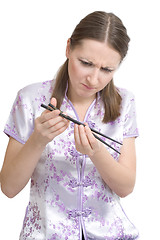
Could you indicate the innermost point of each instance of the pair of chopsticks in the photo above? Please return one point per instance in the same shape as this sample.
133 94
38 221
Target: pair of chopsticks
50 107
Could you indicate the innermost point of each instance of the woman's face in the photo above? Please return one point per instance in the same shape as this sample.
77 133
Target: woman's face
91 67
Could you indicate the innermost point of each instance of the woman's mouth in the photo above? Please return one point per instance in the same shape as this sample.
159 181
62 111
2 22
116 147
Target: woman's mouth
87 87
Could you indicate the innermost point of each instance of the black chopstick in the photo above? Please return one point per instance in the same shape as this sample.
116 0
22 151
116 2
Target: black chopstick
80 123
50 107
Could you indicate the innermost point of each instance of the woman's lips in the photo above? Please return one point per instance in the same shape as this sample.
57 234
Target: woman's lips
87 87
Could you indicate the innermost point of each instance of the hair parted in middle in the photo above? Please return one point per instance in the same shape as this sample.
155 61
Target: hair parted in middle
102 27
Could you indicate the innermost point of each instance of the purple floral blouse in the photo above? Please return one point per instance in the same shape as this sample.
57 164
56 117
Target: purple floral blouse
67 193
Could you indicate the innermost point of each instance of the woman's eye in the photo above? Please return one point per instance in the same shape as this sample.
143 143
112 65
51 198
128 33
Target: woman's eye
90 64
86 63
107 70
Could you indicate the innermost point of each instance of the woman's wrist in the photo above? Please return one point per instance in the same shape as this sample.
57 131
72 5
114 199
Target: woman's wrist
37 142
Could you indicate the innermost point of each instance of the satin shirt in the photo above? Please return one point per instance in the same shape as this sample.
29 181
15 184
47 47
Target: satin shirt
67 193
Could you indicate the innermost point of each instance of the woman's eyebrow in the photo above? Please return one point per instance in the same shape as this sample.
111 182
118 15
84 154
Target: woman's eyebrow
94 64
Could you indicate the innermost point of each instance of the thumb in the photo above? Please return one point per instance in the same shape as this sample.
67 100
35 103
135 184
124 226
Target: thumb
54 101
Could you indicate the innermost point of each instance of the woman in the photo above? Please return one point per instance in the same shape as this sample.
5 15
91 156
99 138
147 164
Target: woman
76 181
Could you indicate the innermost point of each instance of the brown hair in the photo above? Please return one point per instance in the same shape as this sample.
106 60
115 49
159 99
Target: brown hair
103 27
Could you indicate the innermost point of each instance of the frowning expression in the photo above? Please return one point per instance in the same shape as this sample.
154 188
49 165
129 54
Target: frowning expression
91 67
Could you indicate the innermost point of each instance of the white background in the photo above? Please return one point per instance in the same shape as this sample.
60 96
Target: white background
33 35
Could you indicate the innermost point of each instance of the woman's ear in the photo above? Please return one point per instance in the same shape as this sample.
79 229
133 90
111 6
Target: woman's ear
68 48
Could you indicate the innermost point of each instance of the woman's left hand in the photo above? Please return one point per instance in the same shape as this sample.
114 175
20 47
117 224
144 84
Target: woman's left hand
85 142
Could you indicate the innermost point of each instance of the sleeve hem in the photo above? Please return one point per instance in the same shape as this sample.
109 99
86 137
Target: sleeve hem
131 135
10 134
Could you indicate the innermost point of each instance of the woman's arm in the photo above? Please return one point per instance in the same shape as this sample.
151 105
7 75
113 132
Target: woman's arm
19 164
119 176
21 160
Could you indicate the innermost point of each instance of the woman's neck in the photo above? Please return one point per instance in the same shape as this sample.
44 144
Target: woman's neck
80 101
81 106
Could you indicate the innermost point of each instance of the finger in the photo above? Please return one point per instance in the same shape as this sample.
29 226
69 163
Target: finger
55 122
54 101
48 115
51 133
92 140
76 135
83 137
57 132
60 126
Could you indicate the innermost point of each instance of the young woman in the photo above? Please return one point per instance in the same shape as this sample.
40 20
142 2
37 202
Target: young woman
76 180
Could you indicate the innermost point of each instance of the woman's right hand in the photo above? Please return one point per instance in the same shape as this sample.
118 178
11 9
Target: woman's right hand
49 125
21 159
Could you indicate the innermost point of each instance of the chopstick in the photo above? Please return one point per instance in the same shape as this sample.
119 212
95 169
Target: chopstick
50 107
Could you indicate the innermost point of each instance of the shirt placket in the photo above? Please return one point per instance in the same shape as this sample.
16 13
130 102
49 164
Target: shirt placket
80 183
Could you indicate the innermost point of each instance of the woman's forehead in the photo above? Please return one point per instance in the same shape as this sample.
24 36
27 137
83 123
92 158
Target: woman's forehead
98 52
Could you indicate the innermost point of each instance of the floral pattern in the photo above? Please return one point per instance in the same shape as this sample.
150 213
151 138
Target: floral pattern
67 192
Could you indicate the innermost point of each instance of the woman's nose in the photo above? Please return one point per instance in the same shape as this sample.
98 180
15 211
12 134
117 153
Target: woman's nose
93 76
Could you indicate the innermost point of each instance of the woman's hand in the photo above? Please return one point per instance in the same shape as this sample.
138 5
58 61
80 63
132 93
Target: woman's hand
21 159
85 142
49 125
118 175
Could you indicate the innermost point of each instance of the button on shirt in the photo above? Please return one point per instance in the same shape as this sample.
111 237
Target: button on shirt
67 192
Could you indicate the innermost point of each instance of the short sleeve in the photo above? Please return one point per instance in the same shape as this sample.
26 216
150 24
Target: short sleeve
20 123
26 108
130 128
